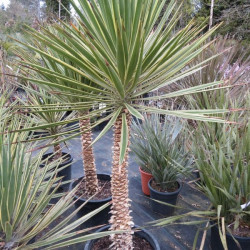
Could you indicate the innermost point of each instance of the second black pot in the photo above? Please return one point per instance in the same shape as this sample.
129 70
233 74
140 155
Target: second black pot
170 198
100 218
65 173
101 126
216 243
142 234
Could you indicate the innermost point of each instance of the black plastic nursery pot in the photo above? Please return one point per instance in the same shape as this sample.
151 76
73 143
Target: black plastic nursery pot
216 243
144 234
170 198
36 134
101 126
103 216
65 173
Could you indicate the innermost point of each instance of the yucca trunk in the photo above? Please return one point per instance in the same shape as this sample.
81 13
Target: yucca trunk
88 157
120 210
57 151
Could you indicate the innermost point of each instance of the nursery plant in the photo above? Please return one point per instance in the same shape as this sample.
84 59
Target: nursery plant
91 178
224 171
26 189
160 150
141 147
35 98
116 45
159 147
34 102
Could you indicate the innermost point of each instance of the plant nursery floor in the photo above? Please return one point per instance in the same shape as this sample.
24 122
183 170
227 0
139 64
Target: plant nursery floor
169 237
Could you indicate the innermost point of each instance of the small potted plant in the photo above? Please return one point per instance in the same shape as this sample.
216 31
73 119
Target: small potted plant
141 148
47 135
159 148
224 170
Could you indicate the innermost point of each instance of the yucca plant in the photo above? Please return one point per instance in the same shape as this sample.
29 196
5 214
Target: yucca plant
25 209
230 65
73 101
35 101
25 192
224 169
160 150
225 180
116 45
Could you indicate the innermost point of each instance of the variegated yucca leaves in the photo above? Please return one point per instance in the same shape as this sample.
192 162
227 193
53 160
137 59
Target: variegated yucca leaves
25 194
231 65
114 54
116 46
36 99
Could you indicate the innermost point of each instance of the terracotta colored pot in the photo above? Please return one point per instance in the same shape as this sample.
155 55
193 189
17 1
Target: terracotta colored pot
145 177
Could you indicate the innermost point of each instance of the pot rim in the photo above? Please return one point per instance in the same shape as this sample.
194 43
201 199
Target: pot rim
157 246
84 200
70 160
227 234
166 193
145 172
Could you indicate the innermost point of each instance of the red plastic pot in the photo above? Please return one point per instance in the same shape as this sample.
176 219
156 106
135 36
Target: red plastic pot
145 177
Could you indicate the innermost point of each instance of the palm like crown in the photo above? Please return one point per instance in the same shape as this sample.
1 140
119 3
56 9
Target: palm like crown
116 46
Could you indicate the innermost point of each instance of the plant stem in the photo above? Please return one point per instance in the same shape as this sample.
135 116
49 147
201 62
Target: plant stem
2 68
120 210
57 151
88 157
211 15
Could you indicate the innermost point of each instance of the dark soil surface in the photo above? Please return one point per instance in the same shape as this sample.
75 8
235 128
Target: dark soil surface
139 244
104 187
242 231
158 188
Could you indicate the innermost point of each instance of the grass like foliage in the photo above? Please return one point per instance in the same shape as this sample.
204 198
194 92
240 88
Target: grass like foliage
159 149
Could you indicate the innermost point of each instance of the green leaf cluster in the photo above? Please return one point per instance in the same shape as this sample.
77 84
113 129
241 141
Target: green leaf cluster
234 14
224 167
26 191
35 113
115 46
52 7
159 147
